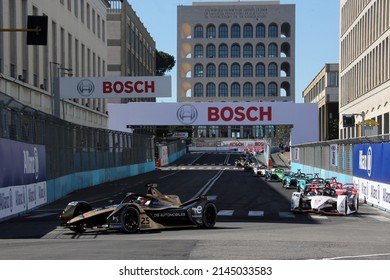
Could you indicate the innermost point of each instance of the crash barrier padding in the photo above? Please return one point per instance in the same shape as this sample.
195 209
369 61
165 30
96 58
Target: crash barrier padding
59 187
175 156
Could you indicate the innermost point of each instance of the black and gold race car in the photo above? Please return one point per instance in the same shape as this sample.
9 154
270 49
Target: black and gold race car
136 212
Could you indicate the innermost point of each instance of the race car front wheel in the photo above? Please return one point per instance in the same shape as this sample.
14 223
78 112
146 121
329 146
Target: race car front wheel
209 215
130 219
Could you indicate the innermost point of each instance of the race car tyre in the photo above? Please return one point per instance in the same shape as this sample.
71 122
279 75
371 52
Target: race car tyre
78 228
209 215
130 219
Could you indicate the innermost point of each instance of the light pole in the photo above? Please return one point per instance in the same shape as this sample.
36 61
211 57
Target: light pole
55 69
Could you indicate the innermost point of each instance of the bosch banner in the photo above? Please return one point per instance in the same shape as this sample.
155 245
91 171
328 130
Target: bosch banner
115 87
303 116
22 177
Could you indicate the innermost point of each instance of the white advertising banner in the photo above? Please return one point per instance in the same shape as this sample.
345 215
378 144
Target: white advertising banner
303 116
17 199
374 193
115 87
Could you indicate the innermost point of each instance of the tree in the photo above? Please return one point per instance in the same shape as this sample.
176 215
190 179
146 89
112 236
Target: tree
164 62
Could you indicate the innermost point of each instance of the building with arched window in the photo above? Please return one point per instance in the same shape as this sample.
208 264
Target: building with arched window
247 50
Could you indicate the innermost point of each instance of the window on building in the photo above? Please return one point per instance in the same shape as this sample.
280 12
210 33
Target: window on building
198 31
236 50
198 70
248 70
236 31
272 50
88 16
333 79
210 31
273 30
82 10
198 51
223 70
260 70
260 50
386 123
223 31
235 91
210 90
235 71
248 50
272 89
248 89
260 31
260 89
223 51
248 30
211 51
223 90
210 70
198 90
272 70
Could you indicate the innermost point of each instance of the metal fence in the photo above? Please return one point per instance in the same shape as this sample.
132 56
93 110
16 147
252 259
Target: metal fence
319 154
72 148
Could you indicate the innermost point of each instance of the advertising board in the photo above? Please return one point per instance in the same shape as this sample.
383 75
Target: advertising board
115 87
303 116
22 177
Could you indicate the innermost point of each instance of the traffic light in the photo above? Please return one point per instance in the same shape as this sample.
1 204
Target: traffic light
348 120
39 24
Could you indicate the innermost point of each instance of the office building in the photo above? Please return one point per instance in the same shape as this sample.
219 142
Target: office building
365 66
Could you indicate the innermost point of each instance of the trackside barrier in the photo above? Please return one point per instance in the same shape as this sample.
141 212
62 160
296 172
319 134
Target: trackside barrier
361 161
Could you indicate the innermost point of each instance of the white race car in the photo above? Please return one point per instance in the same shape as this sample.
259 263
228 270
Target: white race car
326 200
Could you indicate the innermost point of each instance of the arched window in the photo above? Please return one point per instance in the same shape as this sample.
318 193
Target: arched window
285 50
223 90
210 51
260 30
210 70
223 70
198 90
198 31
260 70
210 90
248 50
235 71
285 69
210 31
248 70
223 51
260 89
273 30
272 70
248 89
235 90
236 31
235 50
223 31
272 50
198 51
198 70
260 50
272 89
286 30
248 30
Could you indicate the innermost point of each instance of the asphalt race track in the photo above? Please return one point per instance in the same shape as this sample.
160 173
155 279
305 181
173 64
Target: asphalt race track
254 222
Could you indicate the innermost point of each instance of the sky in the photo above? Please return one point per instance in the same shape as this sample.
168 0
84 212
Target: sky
317 34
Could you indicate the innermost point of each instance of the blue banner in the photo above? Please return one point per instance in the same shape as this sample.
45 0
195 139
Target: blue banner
372 161
21 163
